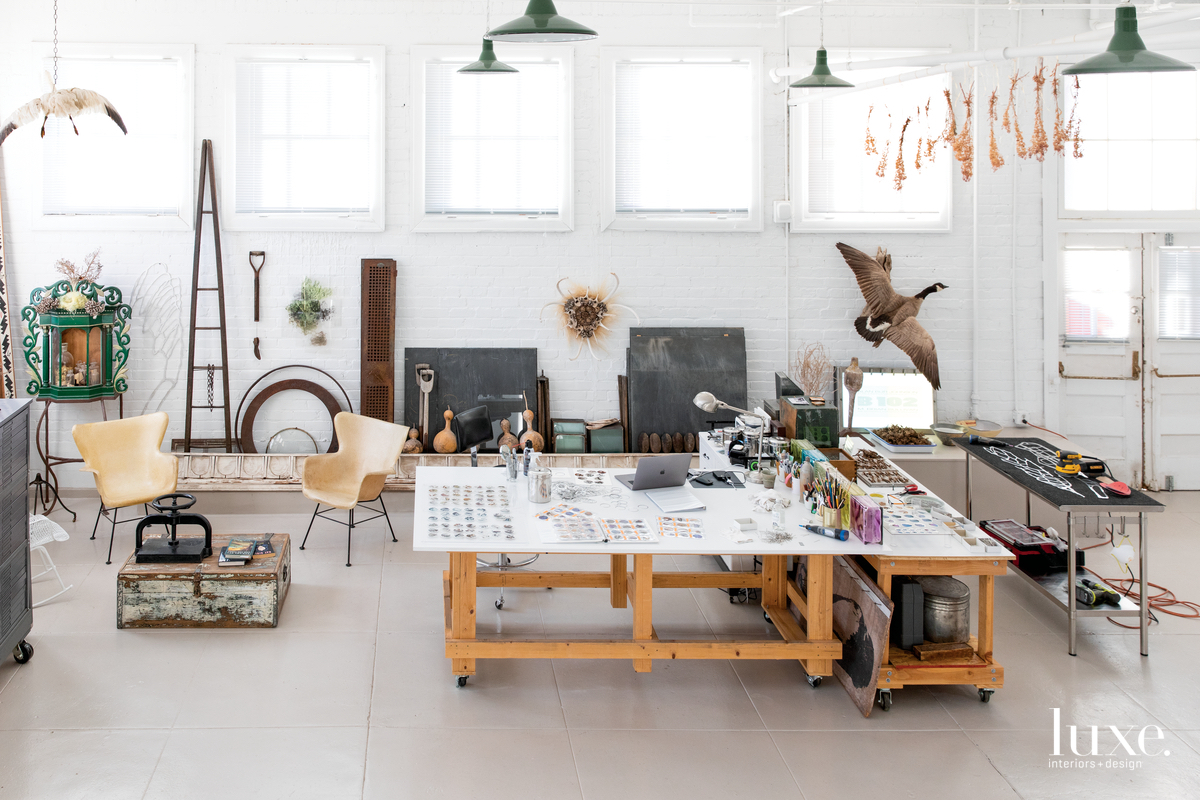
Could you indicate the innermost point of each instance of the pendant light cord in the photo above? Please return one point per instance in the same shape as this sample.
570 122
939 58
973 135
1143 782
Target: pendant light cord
55 44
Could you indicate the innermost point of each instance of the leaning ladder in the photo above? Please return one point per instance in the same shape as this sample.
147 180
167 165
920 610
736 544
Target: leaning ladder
207 169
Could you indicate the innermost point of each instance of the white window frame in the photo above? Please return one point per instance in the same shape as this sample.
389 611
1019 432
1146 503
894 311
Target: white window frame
186 55
609 57
564 220
226 157
881 222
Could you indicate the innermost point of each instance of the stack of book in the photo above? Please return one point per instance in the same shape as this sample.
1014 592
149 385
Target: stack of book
239 552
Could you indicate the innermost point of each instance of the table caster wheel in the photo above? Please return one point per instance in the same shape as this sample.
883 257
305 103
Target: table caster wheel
500 604
985 695
814 681
23 652
885 699
766 616
460 681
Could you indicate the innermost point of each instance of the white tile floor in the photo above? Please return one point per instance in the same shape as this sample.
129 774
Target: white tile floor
352 697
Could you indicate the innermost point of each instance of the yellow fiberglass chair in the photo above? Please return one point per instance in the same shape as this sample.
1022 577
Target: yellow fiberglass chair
123 456
367 453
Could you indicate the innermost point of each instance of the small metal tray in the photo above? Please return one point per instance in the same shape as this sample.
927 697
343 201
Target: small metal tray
899 448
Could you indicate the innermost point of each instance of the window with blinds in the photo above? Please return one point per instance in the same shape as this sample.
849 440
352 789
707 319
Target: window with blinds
1096 292
102 172
1178 293
494 143
304 137
836 178
684 137
1141 147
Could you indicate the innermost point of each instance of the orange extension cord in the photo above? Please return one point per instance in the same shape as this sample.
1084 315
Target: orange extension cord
1164 601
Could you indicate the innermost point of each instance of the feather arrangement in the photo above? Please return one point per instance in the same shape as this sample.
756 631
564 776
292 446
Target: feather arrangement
583 312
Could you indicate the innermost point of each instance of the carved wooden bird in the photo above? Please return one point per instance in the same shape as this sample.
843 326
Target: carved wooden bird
69 103
892 316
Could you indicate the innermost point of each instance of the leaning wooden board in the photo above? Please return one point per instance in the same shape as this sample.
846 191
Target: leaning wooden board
204 595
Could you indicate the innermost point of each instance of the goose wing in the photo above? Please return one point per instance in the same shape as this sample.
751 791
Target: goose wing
88 101
874 283
911 337
25 114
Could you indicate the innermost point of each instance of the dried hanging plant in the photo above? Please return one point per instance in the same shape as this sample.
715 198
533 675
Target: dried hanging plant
881 170
993 150
951 129
1011 123
812 369
962 144
917 158
869 144
1061 133
1073 122
1038 144
900 174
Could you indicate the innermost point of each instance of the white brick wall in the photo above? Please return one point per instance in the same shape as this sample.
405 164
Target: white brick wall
487 289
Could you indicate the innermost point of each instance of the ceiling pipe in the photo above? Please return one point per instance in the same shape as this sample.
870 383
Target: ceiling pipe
1072 45
981 57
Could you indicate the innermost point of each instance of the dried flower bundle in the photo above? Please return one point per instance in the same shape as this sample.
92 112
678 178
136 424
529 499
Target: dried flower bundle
1073 122
89 274
1061 134
993 151
869 144
962 144
900 174
1038 144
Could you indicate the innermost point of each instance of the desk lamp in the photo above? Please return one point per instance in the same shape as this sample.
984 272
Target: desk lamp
474 429
705 401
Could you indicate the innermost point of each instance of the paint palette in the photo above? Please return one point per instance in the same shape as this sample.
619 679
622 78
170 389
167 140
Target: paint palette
909 521
680 528
628 531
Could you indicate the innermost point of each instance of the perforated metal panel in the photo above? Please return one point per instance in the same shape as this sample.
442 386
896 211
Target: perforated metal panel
378 372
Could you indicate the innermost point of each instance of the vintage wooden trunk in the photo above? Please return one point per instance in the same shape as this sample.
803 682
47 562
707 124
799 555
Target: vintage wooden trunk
204 595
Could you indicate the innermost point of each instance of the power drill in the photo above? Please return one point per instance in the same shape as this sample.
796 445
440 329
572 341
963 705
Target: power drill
1093 594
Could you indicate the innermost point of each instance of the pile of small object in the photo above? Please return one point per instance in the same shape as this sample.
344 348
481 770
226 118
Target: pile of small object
900 435
874 470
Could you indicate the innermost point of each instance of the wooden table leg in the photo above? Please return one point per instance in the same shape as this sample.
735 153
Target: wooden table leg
883 580
462 606
641 585
620 583
820 609
987 601
774 581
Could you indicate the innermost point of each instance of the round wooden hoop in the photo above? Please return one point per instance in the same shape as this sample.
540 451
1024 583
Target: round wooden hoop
320 392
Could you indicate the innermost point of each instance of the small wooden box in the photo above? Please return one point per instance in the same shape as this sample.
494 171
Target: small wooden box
204 595
842 461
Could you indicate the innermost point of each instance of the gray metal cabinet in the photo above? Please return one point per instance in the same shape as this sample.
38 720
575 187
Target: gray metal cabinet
16 594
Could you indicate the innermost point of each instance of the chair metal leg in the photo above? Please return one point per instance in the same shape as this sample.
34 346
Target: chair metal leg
310 524
99 512
387 518
349 534
112 535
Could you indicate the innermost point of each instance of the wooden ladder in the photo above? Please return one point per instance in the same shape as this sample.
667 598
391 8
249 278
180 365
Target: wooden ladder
207 169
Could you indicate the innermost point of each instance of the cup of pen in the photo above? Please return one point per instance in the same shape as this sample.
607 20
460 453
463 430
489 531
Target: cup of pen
831 517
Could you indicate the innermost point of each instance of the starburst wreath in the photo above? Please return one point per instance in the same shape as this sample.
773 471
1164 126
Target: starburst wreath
582 313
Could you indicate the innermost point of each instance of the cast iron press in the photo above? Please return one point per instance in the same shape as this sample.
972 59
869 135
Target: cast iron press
174 550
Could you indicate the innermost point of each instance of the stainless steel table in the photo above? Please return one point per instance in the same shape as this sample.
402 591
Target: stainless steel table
1080 502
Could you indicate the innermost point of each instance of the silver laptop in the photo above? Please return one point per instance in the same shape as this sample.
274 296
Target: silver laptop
657 472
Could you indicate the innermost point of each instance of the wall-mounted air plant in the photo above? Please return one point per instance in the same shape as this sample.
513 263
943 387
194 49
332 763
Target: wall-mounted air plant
311 308
582 313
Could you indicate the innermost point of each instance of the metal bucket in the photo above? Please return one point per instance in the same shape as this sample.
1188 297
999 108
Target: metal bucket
947 611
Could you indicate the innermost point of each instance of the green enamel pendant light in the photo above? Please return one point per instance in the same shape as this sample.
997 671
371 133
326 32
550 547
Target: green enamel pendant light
821 77
541 23
1127 52
487 63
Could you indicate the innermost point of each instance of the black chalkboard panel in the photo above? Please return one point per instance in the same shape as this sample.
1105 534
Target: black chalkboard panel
466 377
670 366
1030 462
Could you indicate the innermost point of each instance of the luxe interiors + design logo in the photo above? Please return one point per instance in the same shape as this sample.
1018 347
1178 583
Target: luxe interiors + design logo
1105 746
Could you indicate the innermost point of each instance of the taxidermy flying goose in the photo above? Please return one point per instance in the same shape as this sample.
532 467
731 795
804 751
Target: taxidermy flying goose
892 316
67 103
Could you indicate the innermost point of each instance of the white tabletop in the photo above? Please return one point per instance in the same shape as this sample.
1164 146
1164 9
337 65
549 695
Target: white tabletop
723 506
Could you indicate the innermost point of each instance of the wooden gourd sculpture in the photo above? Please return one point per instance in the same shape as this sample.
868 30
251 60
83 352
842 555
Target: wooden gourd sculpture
530 435
852 379
507 437
413 445
446 441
